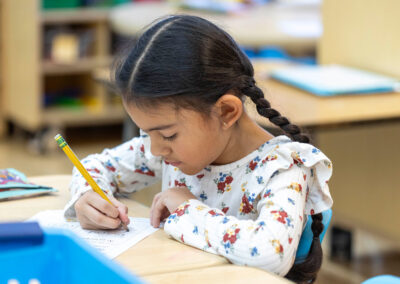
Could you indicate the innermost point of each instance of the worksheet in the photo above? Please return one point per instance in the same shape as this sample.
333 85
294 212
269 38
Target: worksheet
110 242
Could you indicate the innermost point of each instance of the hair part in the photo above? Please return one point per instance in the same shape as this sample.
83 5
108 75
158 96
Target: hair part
190 63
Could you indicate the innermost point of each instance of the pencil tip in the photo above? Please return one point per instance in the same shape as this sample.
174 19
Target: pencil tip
125 226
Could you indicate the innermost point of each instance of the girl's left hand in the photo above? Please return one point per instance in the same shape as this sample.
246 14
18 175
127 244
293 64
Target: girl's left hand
166 202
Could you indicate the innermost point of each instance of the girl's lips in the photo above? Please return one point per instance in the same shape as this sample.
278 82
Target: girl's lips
175 164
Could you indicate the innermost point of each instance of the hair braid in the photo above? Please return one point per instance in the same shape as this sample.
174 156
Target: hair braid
306 271
264 108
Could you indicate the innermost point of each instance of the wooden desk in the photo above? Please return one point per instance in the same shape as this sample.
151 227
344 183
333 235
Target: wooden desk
218 274
158 258
270 24
307 109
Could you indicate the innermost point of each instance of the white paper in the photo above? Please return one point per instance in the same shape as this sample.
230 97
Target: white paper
110 242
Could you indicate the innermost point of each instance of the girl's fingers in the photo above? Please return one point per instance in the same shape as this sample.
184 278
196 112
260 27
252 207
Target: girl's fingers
85 218
122 209
123 214
96 201
100 220
86 223
94 212
155 200
157 212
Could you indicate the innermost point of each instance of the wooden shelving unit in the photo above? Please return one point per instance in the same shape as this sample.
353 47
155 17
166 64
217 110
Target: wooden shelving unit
84 65
2 121
83 15
28 76
74 117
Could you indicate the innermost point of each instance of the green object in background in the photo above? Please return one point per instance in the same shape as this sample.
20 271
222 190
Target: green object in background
59 4
117 2
103 3
70 4
69 102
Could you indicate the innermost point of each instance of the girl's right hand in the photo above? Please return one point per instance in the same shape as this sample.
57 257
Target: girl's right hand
93 212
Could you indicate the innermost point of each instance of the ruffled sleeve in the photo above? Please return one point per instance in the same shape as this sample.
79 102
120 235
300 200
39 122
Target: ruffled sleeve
285 154
305 155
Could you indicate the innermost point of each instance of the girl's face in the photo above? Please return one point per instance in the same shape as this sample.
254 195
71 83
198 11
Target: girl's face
183 138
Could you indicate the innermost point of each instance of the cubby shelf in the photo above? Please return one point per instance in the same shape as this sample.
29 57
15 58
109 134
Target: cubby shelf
91 115
81 66
74 16
28 76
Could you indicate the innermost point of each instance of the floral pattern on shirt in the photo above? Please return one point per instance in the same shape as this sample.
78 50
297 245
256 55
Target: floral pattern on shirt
248 200
182 209
229 238
283 217
224 182
143 169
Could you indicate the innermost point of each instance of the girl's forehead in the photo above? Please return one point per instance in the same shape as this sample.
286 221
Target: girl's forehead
164 114
148 117
158 110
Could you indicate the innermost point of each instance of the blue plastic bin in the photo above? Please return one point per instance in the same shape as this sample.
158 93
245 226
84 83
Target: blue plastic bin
58 256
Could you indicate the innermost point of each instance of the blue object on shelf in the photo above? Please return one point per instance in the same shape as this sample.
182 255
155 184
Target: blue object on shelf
308 60
249 52
307 236
61 258
275 52
383 279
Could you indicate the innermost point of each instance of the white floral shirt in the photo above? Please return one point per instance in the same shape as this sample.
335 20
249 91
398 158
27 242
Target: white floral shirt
251 211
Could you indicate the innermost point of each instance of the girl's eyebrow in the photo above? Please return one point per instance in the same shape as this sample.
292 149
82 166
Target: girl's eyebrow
161 127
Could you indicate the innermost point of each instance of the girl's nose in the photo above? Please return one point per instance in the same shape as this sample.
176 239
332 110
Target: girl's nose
159 149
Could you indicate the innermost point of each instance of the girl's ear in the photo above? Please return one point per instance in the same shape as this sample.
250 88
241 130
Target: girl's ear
230 109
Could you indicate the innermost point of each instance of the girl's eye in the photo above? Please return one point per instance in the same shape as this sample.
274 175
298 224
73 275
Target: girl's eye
170 138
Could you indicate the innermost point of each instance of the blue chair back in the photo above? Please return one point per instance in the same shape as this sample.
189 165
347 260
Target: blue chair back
307 236
383 279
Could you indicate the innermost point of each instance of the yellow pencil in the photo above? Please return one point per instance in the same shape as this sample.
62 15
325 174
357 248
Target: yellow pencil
74 159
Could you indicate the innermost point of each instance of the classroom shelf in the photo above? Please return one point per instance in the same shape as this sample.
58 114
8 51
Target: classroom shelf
81 66
87 115
3 127
32 77
74 16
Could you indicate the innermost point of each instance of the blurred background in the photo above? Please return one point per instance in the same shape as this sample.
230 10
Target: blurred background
55 57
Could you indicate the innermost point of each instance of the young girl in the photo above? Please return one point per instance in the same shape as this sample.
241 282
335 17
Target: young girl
228 186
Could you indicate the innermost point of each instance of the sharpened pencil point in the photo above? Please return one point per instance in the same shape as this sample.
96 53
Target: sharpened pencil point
125 227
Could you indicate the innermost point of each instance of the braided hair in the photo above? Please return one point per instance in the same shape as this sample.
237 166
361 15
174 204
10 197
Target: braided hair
190 63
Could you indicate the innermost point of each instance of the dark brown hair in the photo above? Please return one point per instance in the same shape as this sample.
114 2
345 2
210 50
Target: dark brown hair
190 62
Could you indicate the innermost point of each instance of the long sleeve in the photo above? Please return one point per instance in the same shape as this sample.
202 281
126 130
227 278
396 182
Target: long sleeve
126 168
269 242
